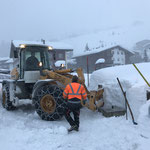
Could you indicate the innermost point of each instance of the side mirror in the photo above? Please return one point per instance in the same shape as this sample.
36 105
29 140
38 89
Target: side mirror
15 54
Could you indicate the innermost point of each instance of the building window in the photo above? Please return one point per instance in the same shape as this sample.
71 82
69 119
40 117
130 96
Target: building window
118 59
117 52
122 53
60 56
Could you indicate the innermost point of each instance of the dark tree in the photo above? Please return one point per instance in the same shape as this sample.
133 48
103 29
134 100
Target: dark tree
86 47
145 58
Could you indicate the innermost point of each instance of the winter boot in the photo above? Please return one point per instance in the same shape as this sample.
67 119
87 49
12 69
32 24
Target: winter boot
76 128
73 128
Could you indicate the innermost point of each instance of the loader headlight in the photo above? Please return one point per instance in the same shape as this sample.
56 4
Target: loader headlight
40 64
62 65
22 46
50 48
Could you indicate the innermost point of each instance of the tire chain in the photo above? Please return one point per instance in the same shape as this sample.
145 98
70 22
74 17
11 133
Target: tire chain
52 90
8 104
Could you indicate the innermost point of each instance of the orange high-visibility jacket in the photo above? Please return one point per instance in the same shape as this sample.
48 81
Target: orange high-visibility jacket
75 90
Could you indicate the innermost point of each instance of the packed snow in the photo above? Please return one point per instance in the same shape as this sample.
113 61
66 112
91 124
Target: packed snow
23 129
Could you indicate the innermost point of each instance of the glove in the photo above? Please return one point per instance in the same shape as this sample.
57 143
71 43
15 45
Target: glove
84 101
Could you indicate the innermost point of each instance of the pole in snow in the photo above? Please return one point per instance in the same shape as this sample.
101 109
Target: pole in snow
127 102
87 70
141 75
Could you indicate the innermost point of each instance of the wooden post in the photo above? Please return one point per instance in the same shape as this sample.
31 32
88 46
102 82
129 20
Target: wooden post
66 60
126 107
127 102
87 70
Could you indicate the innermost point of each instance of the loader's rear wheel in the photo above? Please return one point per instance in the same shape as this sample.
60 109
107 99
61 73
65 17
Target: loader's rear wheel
49 102
3 99
6 103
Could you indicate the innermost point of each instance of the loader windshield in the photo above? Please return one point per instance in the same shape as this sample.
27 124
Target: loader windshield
34 58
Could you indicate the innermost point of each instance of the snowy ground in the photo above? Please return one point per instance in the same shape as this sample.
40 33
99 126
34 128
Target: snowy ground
23 129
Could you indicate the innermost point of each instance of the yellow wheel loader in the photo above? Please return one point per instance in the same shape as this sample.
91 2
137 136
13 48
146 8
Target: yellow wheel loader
34 78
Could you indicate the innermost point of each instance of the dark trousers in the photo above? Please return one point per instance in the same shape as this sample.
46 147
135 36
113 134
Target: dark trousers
75 109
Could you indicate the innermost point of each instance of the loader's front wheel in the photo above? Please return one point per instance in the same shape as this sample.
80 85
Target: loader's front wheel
6 103
49 102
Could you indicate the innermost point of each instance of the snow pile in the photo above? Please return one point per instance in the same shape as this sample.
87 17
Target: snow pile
59 63
4 76
131 82
144 122
10 61
144 117
101 60
125 73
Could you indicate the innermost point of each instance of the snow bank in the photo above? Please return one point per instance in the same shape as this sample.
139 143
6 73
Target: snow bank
131 81
0 91
125 73
144 125
144 117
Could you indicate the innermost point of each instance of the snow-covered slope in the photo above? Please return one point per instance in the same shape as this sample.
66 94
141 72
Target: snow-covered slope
23 129
105 38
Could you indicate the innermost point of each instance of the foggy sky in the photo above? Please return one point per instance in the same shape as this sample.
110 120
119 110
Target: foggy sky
57 19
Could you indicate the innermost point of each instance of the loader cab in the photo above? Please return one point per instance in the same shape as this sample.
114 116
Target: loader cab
33 59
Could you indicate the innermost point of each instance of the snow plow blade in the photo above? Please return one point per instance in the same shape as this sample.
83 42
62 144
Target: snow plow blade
95 99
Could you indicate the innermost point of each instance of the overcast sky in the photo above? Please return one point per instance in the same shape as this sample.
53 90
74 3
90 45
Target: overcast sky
51 19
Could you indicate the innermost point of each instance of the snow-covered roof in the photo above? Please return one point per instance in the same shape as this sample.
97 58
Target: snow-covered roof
101 60
55 45
99 49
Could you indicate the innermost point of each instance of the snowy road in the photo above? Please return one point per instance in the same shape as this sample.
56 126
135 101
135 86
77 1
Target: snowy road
23 129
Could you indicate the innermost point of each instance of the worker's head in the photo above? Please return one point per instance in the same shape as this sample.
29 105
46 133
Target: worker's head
74 78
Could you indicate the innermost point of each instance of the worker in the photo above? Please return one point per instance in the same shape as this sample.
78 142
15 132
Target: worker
74 93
